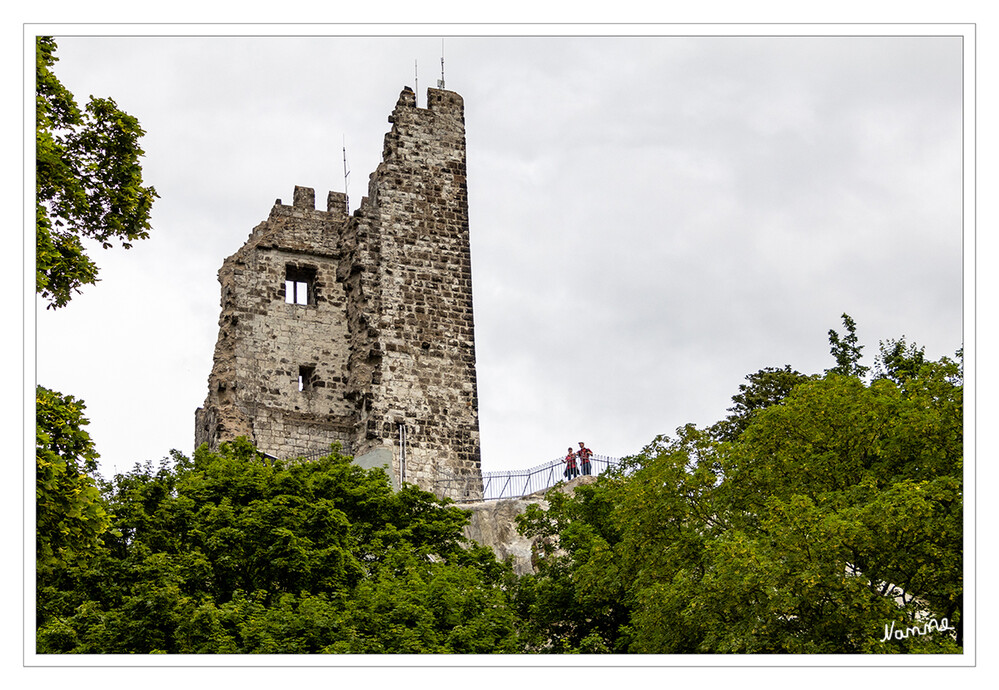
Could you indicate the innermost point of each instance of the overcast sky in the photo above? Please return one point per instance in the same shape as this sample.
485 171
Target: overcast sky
651 218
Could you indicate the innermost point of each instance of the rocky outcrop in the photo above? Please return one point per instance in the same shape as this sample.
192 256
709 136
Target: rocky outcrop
494 524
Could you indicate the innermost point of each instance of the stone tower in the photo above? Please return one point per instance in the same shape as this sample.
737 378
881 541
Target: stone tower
359 328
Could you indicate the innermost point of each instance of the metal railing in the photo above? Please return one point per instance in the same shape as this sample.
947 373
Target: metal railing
514 483
491 486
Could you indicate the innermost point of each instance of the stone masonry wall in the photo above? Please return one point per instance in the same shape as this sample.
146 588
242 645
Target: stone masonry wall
264 343
413 357
386 339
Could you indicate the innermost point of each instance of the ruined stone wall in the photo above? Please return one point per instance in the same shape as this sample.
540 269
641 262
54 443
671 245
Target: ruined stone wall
409 273
265 343
387 338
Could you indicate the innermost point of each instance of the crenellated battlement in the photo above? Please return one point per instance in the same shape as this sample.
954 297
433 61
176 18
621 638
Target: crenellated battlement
439 102
304 201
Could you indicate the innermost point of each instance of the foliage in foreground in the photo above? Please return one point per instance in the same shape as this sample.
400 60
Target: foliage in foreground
823 515
229 553
820 522
88 182
69 513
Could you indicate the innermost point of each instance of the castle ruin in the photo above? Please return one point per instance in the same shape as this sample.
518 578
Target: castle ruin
358 328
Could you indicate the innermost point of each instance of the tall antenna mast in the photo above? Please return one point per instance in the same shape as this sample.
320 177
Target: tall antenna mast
346 174
416 81
440 82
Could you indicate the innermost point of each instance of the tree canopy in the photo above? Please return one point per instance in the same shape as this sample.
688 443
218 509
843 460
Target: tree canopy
847 350
69 511
88 186
832 518
229 552
88 182
823 515
766 387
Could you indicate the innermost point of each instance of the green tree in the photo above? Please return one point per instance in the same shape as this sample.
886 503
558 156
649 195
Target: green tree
575 601
830 516
88 186
847 350
229 552
766 387
898 361
88 182
69 511
839 513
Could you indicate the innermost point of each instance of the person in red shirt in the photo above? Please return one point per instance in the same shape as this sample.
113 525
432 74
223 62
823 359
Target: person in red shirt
584 454
570 465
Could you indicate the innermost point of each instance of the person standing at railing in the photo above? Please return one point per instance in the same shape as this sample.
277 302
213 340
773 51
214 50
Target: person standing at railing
584 454
570 465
